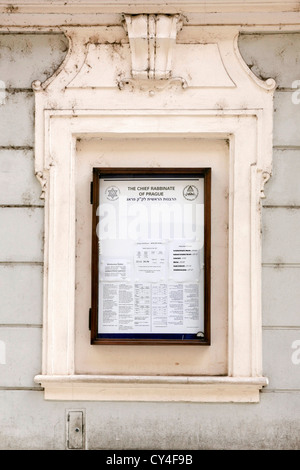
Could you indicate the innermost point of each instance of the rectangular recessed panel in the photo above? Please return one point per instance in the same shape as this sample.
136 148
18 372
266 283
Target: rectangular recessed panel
75 430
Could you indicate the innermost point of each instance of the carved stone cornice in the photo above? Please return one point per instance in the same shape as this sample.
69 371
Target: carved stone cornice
249 14
139 6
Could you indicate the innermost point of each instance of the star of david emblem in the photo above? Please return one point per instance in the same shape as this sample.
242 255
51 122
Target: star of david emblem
112 193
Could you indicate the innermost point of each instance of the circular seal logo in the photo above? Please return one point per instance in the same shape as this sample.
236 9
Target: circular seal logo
190 192
112 193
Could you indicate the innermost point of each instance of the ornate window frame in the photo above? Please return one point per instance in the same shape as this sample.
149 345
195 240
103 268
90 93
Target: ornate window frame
235 106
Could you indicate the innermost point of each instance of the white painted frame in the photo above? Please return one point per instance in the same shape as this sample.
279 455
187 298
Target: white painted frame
62 118
250 14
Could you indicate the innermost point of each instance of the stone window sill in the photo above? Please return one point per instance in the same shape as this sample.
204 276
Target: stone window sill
152 388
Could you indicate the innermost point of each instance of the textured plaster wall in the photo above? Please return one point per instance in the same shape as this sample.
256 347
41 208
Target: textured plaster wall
27 421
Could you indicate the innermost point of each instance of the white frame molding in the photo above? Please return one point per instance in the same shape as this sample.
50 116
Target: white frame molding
250 14
66 112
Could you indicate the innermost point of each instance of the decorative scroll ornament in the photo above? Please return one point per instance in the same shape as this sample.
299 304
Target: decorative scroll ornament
151 39
43 182
264 179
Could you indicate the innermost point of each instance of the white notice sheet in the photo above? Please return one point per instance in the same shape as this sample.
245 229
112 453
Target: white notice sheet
150 260
114 269
184 261
151 235
150 308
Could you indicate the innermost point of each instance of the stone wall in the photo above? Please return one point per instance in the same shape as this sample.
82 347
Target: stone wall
27 421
